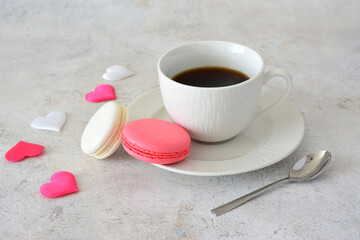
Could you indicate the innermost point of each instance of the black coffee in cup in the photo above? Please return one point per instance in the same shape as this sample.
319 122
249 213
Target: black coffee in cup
210 77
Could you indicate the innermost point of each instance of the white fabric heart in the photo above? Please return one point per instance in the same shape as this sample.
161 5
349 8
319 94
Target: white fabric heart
53 121
117 72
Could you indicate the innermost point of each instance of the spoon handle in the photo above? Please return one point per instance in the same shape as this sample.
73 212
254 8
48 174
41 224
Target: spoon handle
241 200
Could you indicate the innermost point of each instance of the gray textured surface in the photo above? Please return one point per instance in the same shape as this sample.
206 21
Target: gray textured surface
54 52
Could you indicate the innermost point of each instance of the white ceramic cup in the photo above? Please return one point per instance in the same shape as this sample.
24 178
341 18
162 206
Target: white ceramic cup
213 114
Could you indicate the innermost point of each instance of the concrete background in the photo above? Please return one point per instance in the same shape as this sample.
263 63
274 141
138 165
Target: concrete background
54 52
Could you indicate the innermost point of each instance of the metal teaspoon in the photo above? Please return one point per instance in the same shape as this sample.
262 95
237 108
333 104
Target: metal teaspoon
306 168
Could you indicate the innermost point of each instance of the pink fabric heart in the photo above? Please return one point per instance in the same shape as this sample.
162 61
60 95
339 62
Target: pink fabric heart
103 92
61 183
22 150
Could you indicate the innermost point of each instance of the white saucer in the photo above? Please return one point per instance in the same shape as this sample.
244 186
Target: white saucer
264 142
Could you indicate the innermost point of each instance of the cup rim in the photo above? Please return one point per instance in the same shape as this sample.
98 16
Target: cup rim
251 79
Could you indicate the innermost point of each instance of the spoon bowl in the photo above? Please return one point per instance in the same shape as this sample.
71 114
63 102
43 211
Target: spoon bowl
310 166
304 169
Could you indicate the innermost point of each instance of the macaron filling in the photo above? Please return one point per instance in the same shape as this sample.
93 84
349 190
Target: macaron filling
133 147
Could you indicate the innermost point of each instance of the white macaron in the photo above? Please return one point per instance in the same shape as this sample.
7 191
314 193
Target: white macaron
103 133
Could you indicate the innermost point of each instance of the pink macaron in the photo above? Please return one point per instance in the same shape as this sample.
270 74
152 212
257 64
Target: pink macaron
156 141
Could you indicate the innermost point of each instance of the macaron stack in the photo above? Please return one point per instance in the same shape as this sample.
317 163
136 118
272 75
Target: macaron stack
150 140
156 141
103 133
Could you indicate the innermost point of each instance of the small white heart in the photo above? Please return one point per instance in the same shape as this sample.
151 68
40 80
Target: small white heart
53 121
117 72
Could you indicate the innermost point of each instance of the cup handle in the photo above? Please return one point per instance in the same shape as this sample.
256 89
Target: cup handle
276 72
